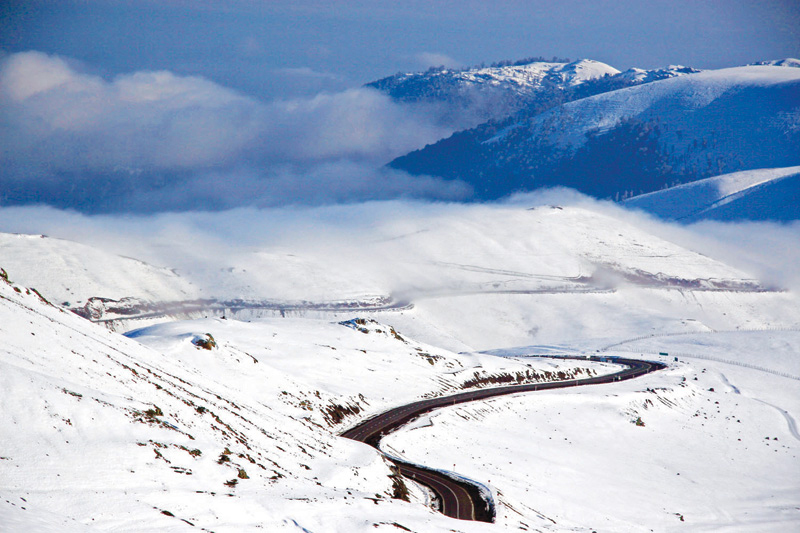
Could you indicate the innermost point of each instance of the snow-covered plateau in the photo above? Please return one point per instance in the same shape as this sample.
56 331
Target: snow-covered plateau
226 417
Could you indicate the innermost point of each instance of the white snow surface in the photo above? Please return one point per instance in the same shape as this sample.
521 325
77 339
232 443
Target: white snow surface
98 431
699 199
71 272
718 450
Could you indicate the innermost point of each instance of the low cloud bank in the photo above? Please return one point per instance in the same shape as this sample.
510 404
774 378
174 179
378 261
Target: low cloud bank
771 251
380 245
156 141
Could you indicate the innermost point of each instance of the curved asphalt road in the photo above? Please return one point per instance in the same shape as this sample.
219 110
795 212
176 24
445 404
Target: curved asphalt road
459 498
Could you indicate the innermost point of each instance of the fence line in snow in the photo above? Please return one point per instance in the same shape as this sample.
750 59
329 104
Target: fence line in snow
657 335
726 361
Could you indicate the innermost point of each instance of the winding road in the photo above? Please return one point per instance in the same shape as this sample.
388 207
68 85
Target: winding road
460 498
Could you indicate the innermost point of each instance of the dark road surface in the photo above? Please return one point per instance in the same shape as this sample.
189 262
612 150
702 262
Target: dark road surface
462 499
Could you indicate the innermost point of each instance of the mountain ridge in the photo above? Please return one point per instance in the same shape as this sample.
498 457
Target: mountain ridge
631 140
496 92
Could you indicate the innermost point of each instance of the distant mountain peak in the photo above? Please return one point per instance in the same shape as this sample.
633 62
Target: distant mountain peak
627 134
638 75
787 62
477 94
531 74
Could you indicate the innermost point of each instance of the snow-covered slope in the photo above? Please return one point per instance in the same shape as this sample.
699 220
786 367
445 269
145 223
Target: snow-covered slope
152 432
548 274
632 140
416 256
703 446
100 432
765 194
70 273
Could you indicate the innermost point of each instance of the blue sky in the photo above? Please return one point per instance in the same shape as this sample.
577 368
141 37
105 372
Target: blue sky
289 48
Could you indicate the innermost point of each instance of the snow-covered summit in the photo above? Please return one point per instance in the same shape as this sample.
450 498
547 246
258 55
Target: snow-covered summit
787 62
472 95
577 72
528 87
525 77
538 74
638 75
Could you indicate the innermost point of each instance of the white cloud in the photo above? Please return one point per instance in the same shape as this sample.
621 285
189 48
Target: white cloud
344 237
434 59
305 72
80 141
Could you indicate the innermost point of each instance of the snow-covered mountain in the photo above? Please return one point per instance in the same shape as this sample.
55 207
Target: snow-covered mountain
632 140
519 81
487 93
474 95
787 62
765 194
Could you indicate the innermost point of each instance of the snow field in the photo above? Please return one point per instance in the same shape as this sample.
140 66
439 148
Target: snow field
587 322
67 271
576 460
101 431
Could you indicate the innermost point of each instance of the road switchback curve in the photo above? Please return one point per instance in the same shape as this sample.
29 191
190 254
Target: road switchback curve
460 498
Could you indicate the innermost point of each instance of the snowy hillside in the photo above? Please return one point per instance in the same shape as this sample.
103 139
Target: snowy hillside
545 274
230 424
415 254
70 273
766 194
100 432
703 446
632 140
